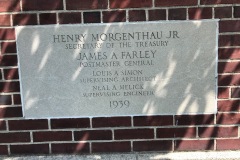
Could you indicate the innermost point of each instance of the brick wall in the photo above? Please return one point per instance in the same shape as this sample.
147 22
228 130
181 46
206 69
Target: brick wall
120 134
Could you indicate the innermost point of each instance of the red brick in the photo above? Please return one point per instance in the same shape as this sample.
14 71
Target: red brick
235 93
130 3
229 40
229 53
73 148
30 149
8 47
10 112
111 122
70 18
91 17
208 132
193 145
28 124
153 120
228 80
114 16
48 18
228 144
17 99
9 5
236 12
134 134
152 145
5 20
10 74
229 105
52 136
93 135
219 2
70 123
7 34
228 67
228 119
194 119
111 147
8 60
24 19
9 87
14 137
2 125
223 93
158 14
200 13
188 132
223 12
5 100
177 14
137 15
83 4
164 3
38 5
229 26
3 150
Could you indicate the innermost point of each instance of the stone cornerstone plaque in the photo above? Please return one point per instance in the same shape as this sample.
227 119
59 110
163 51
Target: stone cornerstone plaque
150 68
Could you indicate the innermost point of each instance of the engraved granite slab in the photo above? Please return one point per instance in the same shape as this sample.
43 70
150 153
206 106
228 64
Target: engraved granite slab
148 68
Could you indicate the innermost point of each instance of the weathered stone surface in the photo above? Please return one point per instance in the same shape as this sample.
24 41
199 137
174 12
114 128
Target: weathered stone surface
118 69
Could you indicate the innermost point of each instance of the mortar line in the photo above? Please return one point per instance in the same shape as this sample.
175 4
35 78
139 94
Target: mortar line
91 125
213 12
50 148
167 10
64 5
11 20
7 125
8 149
31 136
21 5
147 15
127 15
38 18
12 99
239 132
131 143
82 19
108 5
49 124
101 17
57 18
